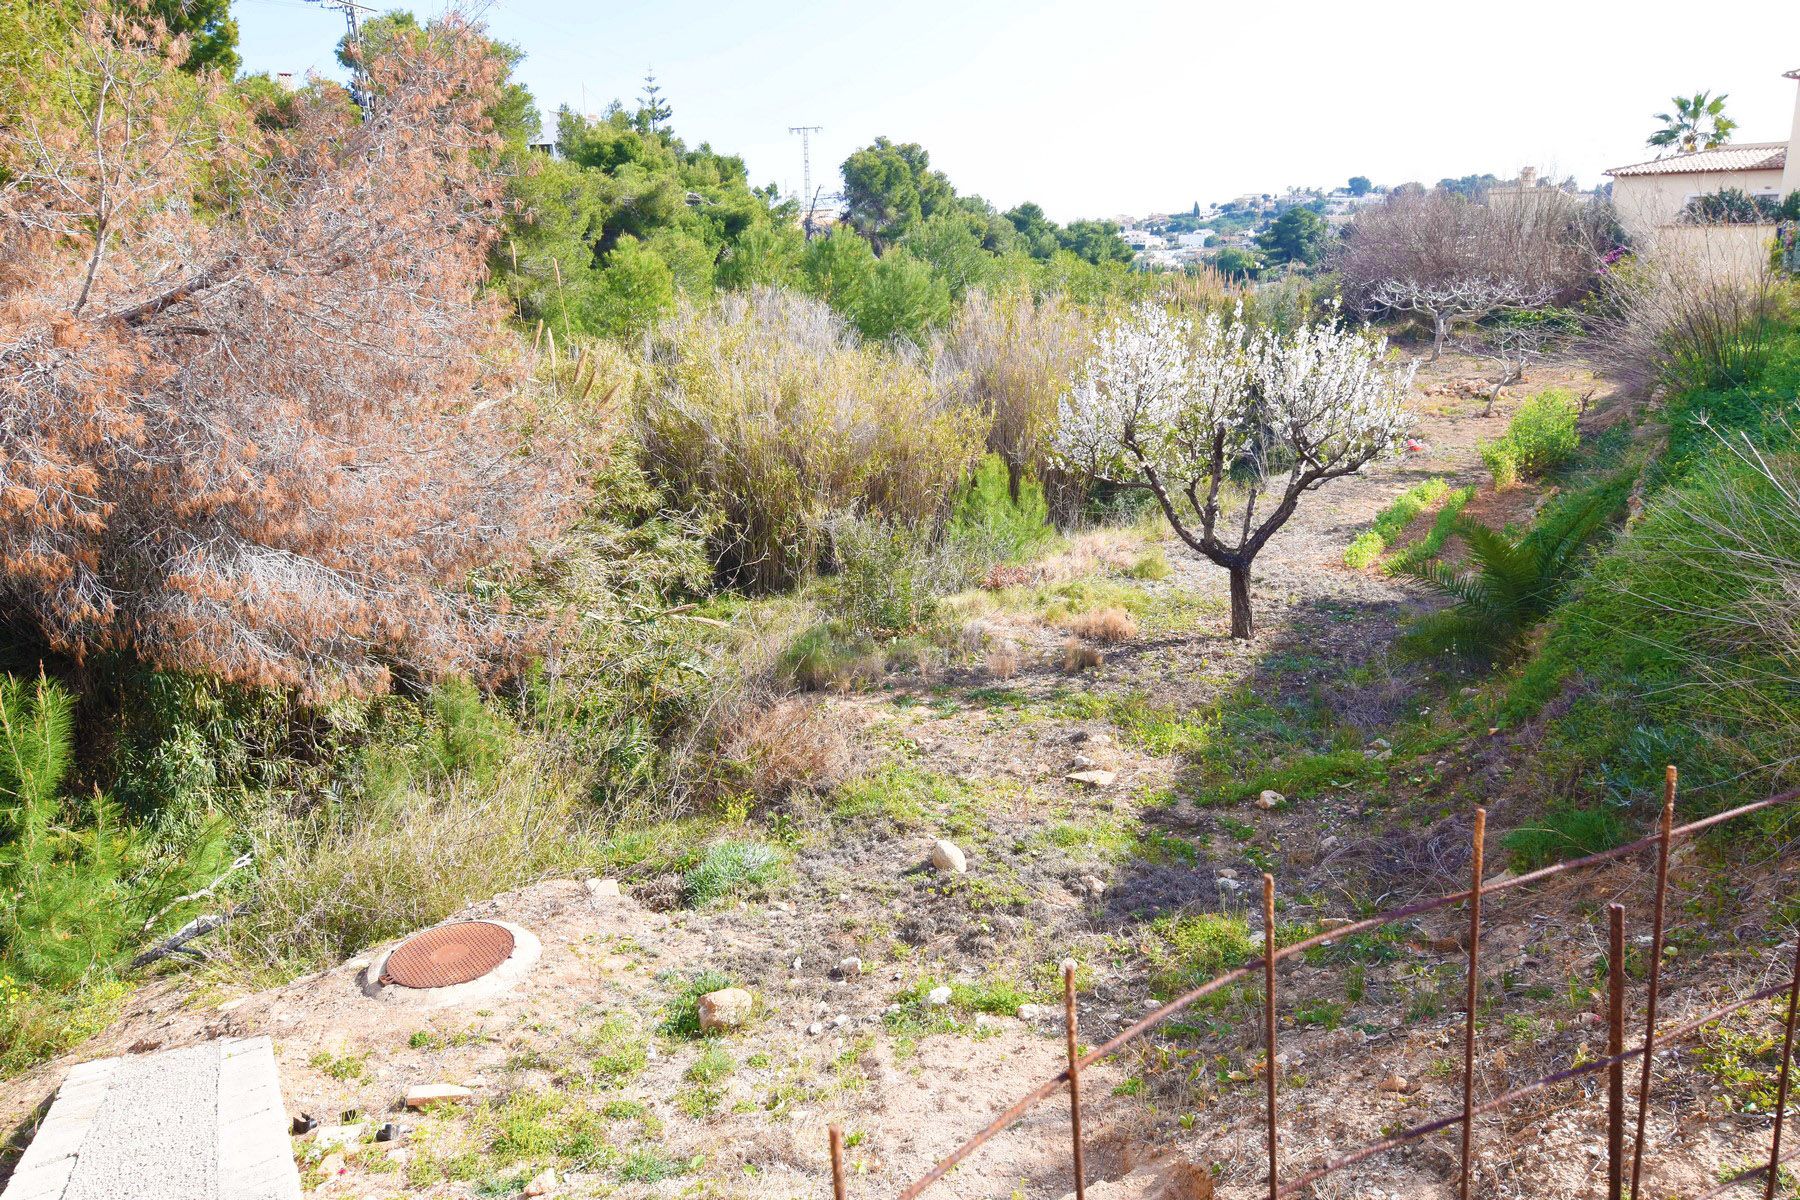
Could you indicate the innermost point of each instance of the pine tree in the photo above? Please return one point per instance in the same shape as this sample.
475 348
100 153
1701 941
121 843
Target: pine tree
653 110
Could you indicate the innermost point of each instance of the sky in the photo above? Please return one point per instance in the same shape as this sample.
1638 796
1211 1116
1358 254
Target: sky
1102 109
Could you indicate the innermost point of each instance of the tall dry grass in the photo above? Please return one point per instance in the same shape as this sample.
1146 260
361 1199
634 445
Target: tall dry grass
766 411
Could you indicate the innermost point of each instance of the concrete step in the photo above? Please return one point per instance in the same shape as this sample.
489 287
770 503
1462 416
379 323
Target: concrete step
202 1123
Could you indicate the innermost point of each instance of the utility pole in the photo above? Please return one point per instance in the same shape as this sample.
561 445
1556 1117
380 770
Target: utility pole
806 132
359 82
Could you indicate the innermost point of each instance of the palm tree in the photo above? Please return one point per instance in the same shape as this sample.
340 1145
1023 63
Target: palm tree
1698 123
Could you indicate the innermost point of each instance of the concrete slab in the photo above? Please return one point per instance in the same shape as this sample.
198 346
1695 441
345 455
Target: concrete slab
204 1122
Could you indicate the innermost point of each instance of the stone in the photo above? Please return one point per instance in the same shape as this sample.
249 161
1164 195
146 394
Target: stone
336 1137
938 996
436 1093
332 1165
815 1029
598 888
542 1182
1033 1012
945 856
1096 778
1270 798
1396 1083
1093 885
850 968
1082 762
727 1008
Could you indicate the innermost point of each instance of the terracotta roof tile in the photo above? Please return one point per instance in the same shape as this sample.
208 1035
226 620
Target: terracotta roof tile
1749 156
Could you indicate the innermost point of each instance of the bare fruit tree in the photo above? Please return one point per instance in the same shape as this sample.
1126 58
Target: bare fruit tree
1517 341
1447 301
1452 260
1228 428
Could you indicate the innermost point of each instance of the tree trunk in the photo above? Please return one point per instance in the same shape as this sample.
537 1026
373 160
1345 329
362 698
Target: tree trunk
1241 621
1015 477
1440 329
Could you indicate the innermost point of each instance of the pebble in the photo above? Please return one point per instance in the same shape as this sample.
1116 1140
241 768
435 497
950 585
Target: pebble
602 887
1270 799
1094 778
946 856
1395 1083
849 968
815 1029
1093 885
542 1182
1033 1012
938 996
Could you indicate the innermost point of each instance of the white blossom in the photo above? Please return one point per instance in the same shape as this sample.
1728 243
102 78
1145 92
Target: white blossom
1179 407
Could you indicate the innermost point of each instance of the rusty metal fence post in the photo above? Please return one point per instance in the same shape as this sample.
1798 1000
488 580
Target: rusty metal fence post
1615 1049
1656 949
1781 1091
1269 1068
837 1161
1068 970
1471 999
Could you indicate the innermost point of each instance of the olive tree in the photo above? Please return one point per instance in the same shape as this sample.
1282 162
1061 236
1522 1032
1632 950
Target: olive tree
1229 427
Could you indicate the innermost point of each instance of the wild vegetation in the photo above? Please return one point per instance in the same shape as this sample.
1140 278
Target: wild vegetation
392 517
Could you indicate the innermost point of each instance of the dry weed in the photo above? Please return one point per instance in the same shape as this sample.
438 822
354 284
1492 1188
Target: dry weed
1077 656
777 748
1003 660
1109 626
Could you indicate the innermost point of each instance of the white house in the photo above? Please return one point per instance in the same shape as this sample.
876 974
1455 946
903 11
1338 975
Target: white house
1651 195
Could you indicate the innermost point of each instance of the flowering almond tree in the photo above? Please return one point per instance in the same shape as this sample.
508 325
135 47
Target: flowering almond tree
256 418
1229 428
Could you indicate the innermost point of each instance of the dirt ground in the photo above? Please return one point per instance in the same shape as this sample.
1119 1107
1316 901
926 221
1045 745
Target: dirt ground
1104 872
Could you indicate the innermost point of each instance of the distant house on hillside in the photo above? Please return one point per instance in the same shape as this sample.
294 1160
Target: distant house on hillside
1651 196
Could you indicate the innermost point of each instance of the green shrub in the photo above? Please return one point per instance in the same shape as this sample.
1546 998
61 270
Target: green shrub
887 580
1185 952
1502 462
1541 437
1364 549
731 868
830 655
1564 833
1152 564
468 737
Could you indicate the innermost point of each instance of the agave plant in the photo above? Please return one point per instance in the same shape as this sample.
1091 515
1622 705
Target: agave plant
1510 583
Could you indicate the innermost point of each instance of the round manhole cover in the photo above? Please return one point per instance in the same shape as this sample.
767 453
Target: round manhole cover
449 954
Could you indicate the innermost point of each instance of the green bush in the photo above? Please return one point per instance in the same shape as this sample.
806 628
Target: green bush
1541 437
1564 833
1543 431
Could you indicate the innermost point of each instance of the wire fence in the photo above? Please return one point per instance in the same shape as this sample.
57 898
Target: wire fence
1624 1167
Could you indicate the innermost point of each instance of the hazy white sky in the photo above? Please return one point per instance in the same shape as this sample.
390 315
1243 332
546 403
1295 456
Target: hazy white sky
1103 107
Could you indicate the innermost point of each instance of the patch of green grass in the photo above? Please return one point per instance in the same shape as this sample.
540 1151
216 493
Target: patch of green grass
1392 521
1302 777
344 1066
908 797
649 1164
1326 1014
1562 833
1186 951
1432 544
829 655
1156 728
1152 564
732 868
623 1110
714 1065
1743 1055
619 1052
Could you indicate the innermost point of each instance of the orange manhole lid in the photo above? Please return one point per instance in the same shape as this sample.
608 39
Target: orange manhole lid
449 954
